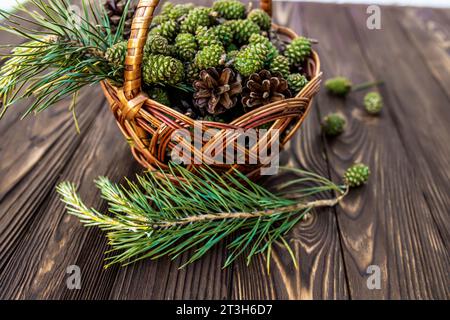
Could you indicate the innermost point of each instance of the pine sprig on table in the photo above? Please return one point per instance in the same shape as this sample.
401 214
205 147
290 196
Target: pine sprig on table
155 217
63 52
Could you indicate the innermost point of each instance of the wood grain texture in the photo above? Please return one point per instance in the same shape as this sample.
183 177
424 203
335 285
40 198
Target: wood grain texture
371 231
399 222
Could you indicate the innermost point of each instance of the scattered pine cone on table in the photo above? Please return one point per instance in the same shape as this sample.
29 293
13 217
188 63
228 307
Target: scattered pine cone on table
217 91
333 124
263 88
115 10
339 86
356 175
373 102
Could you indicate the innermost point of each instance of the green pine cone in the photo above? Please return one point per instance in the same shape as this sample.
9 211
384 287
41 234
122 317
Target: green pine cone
179 11
261 18
197 17
298 50
159 69
206 37
210 57
191 71
333 124
356 175
272 50
224 32
167 29
243 30
296 82
159 95
251 59
373 102
159 19
230 9
339 86
156 44
186 46
167 8
117 53
280 64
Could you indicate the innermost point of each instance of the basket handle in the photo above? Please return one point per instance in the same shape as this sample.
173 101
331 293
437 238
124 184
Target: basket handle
139 31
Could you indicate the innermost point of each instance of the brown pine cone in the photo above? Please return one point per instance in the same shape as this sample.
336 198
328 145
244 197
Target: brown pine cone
217 90
263 88
115 10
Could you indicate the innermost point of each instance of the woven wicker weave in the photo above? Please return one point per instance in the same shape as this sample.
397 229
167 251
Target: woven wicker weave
148 125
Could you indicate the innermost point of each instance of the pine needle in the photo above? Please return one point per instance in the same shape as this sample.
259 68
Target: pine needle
62 52
155 217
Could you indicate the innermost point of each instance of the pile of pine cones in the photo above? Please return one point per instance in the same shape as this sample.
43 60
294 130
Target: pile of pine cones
227 54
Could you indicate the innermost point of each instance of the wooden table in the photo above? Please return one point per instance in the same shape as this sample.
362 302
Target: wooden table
399 222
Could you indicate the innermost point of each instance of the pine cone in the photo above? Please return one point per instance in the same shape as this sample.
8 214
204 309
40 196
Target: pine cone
333 124
230 9
179 10
210 57
339 86
261 18
217 91
251 59
168 30
115 10
156 44
272 50
224 33
298 50
186 46
356 175
191 71
197 17
263 88
373 102
243 30
280 64
296 82
159 69
206 37
117 53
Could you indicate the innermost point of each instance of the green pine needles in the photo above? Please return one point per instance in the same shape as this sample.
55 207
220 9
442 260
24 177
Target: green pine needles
63 51
155 217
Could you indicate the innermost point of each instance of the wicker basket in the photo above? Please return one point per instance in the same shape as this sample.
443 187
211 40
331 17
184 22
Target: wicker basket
148 125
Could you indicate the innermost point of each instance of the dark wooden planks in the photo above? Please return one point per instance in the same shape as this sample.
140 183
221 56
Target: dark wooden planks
315 242
379 224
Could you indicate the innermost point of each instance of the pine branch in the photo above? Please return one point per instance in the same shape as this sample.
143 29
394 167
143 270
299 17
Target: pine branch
63 52
155 217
